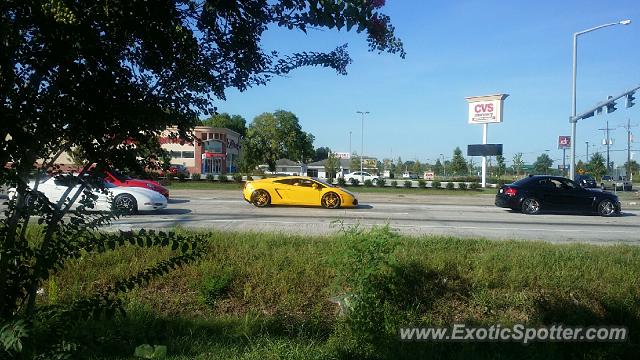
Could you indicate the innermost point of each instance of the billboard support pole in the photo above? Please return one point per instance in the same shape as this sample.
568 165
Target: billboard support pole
484 158
564 157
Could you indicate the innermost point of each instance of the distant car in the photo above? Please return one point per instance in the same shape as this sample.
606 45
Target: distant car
118 179
586 181
409 175
358 176
122 198
535 194
297 190
177 170
609 182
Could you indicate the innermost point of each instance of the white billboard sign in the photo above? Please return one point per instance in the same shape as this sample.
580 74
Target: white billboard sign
485 109
342 155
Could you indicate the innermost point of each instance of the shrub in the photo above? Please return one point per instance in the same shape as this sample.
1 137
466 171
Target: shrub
195 176
394 183
381 182
450 185
354 181
213 288
182 176
342 181
408 183
237 178
462 186
422 184
223 178
368 183
249 178
436 185
474 186
210 177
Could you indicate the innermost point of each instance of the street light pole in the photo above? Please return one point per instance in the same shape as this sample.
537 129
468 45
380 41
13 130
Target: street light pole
362 146
573 120
586 142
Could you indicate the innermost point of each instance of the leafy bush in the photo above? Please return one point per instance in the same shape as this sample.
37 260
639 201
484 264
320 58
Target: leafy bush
462 186
422 184
408 183
450 185
368 183
182 176
474 186
363 270
381 182
237 178
210 177
195 176
223 178
394 183
436 185
342 181
354 181
249 178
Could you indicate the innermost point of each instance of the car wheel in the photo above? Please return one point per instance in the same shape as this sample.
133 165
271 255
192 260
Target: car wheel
125 203
330 200
260 198
374 182
603 187
530 206
606 208
353 181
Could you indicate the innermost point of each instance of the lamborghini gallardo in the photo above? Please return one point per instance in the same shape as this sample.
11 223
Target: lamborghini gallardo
297 190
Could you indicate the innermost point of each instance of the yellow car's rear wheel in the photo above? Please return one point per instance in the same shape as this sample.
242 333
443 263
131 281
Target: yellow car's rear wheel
331 200
261 198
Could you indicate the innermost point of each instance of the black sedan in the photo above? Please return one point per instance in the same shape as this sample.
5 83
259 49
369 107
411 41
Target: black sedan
534 194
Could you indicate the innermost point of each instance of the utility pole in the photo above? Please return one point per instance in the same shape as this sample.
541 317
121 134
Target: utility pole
608 143
363 113
349 144
586 142
628 128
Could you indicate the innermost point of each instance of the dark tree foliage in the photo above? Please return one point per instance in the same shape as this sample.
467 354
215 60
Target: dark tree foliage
321 153
104 77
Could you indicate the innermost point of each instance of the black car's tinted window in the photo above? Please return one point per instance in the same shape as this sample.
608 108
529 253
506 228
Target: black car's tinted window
523 181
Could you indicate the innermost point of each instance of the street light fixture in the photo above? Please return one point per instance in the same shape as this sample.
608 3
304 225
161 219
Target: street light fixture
573 94
363 113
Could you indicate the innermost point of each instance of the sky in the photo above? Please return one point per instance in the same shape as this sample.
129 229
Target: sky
457 49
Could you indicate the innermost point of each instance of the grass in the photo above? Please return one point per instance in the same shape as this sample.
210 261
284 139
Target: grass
266 295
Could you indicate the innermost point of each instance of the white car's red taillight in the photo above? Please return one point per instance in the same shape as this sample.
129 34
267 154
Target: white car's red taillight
510 191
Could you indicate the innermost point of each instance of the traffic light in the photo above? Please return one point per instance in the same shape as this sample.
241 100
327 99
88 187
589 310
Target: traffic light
630 99
611 107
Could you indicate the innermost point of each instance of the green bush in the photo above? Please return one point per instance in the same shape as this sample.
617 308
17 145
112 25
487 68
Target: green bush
368 183
195 176
223 178
381 182
354 181
210 177
394 183
342 181
408 183
462 186
436 184
450 185
422 184
237 178
249 178
474 186
214 287
182 176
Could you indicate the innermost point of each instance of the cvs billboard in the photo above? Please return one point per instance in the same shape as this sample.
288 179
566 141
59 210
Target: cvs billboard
485 109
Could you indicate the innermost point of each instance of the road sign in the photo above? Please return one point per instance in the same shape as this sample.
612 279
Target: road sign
564 142
484 149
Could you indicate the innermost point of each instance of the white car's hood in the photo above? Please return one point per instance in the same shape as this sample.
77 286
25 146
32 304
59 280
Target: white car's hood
154 195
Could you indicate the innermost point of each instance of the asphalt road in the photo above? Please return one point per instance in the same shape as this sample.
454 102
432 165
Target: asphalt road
466 216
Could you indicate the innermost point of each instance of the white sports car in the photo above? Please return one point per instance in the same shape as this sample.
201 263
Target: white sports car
127 199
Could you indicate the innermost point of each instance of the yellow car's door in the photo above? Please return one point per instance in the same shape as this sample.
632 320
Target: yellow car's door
304 192
284 192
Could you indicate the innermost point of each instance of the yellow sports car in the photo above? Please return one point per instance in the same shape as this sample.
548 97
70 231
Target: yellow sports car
297 190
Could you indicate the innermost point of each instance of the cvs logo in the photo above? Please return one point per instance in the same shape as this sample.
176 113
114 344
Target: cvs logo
482 108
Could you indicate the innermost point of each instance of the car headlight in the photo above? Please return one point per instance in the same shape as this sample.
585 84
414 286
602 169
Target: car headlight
151 186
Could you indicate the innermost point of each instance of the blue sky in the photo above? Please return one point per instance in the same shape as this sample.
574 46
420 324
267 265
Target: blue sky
457 49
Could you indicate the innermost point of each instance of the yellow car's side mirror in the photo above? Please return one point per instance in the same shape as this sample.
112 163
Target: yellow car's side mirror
315 186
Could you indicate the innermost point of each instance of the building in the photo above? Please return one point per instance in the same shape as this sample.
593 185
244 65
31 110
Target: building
317 169
214 151
286 167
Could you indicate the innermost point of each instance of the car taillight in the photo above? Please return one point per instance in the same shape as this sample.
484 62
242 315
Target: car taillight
510 191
